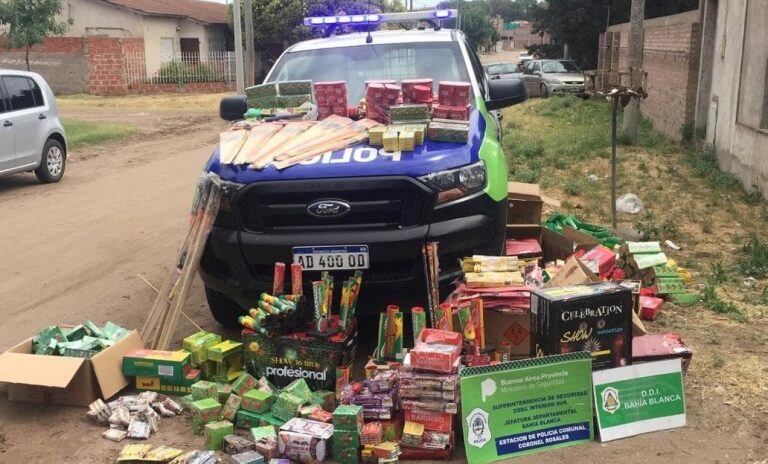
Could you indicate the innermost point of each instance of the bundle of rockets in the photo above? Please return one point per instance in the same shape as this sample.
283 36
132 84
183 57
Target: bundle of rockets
280 313
306 119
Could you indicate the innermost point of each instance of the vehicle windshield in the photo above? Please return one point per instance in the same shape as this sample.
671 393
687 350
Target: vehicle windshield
559 67
503 68
441 61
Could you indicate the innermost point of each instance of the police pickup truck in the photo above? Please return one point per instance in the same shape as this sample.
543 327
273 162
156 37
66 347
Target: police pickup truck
363 207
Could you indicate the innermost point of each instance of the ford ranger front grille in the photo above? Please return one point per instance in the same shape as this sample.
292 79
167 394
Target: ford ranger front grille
374 203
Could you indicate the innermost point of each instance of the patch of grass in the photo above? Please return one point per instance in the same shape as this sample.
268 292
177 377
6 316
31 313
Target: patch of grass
717 305
82 133
703 161
527 175
753 197
754 260
719 276
652 230
574 187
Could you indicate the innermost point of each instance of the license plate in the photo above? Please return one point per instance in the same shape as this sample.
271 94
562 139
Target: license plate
332 258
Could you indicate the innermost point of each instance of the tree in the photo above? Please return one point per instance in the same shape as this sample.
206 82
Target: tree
476 25
30 22
512 10
575 22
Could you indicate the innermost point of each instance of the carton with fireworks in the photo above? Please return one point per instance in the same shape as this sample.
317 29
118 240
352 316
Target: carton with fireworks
595 317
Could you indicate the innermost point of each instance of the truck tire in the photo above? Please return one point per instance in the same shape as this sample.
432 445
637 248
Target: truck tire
224 310
52 163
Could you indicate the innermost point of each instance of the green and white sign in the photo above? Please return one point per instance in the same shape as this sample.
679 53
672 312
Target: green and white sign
524 407
638 399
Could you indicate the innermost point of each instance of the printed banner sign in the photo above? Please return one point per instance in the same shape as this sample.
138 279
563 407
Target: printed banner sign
524 407
638 399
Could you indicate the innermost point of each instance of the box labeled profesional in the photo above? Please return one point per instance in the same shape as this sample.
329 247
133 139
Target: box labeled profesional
63 379
596 318
284 359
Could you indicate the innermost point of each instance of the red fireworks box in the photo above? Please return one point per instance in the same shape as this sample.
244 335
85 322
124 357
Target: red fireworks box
331 98
379 97
453 93
417 90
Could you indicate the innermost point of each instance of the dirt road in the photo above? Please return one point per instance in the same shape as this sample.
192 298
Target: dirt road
73 251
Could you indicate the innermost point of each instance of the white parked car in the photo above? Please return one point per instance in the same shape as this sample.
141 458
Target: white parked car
31 135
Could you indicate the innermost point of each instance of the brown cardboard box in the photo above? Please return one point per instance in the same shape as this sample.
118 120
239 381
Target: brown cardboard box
512 327
525 203
554 245
62 379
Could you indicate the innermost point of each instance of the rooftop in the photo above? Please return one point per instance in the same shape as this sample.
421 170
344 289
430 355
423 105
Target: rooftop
198 10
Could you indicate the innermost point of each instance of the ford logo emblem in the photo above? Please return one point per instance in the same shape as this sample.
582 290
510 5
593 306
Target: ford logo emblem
328 208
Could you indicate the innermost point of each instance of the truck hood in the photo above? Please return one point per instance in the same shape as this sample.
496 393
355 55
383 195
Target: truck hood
361 160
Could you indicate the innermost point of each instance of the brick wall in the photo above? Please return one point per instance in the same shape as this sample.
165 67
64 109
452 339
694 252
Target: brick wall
94 65
106 66
671 60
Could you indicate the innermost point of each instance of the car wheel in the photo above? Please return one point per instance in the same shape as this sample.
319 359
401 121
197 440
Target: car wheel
544 91
53 162
224 310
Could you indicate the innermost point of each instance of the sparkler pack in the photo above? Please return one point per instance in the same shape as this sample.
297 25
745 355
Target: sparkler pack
596 318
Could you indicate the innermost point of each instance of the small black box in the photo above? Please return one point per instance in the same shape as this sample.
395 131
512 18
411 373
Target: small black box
594 317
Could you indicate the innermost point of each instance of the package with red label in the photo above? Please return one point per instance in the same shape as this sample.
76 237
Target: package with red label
453 93
599 260
331 98
378 98
417 90
436 350
432 420
457 113
650 307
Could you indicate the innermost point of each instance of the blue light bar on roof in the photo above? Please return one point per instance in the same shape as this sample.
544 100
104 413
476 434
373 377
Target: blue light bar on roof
374 19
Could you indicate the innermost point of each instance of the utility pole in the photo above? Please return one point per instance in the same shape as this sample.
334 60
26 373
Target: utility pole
635 63
238 25
250 62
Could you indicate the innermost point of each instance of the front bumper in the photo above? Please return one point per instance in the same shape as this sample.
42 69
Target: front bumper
239 263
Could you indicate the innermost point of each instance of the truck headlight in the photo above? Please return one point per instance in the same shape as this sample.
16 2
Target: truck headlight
457 183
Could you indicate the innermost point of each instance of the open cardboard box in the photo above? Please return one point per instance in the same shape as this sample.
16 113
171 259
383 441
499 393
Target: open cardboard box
553 245
63 379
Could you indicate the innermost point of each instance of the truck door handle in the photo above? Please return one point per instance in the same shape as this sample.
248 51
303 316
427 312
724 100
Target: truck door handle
42 116
7 124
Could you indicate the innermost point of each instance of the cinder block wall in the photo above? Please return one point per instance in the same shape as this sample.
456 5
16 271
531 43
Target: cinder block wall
60 60
671 59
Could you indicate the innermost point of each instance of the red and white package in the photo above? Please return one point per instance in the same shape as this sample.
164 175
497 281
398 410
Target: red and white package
417 90
453 93
331 98
436 350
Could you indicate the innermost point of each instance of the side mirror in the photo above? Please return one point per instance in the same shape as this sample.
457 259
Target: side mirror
505 92
232 108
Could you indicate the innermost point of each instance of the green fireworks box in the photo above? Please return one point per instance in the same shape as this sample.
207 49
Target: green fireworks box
295 87
261 90
204 389
293 101
595 317
284 359
215 433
